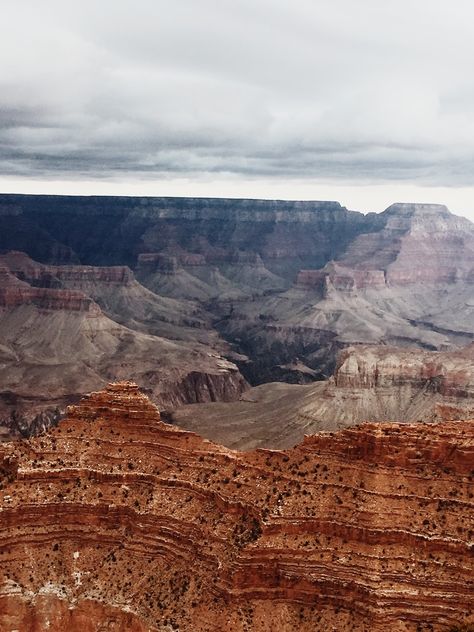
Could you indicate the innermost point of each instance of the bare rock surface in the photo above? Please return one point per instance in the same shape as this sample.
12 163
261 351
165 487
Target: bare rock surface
116 520
57 342
408 283
371 383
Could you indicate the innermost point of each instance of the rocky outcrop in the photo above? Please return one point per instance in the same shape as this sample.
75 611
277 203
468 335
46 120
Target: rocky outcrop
450 374
14 293
413 235
371 383
33 272
336 277
116 519
420 243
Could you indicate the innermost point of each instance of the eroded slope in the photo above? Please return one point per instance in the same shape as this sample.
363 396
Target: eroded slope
118 519
371 383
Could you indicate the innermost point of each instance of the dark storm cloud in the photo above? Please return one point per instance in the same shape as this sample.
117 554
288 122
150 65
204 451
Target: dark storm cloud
352 90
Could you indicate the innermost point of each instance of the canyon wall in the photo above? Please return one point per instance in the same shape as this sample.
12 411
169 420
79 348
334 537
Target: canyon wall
370 383
126 227
279 288
116 519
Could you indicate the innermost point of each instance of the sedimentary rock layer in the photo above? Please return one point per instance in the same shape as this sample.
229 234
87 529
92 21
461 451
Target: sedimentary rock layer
370 383
116 519
14 292
400 277
66 330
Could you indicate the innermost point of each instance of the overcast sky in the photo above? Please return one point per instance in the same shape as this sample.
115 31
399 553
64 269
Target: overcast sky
368 102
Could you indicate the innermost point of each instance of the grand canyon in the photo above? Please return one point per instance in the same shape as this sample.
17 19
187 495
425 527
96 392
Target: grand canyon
115 520
235 414
199 299
236 316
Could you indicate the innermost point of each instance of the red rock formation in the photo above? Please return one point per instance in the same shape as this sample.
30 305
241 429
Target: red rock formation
116 519
14 292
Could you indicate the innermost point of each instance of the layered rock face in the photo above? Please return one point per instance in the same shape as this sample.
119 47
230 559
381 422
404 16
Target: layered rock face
420 243
450 374
14 292
116 519
340 278
286 285
407 283
370 383
57 343
126 227
117 292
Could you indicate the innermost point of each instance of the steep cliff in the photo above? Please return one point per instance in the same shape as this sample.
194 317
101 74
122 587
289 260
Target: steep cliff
116 519
124 227
407 283
14 292
370 383
285 283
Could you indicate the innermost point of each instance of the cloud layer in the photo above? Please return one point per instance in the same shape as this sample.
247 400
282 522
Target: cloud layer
359 92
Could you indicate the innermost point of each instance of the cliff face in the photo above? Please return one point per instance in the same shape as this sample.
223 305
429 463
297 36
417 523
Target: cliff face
340 278
408 282
57 343
26 269
415 234
116 519
68 329
370 383
126 227
226 269
450 374
14 293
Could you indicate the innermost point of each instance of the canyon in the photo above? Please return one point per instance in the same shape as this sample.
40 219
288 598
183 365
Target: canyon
57 342
197 299
370 383
114 520
248 415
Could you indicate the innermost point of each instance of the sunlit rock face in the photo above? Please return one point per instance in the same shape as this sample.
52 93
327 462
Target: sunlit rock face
115 520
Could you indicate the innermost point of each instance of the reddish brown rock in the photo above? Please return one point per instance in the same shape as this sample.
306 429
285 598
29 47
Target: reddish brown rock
14 292
116 519
29 270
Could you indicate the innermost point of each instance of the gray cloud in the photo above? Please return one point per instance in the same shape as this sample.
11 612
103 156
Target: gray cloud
369 90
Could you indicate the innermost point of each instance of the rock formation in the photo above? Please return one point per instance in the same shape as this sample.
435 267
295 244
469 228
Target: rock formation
114 520
14 292
370 383
57 343
118 293
278 288
407 283
124 227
